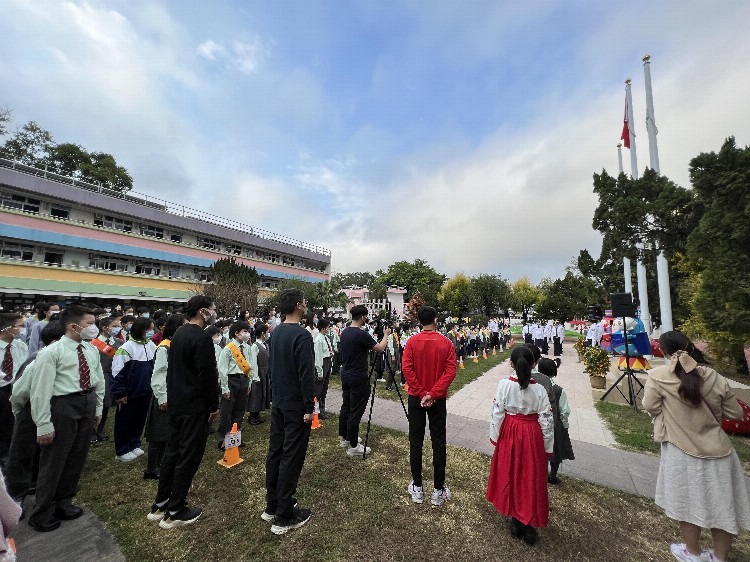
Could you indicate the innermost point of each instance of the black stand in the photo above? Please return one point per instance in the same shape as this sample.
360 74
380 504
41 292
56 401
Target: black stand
633 395
372 394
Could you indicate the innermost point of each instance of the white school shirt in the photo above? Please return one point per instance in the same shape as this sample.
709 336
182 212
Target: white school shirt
19 352
591 334
548 331
538 333
560 331
511 399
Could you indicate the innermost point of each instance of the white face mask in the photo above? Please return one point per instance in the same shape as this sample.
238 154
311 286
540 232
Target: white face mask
89 332
244 336
216 339
211 318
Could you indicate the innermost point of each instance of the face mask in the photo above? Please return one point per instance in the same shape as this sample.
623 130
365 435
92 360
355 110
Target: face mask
146 315
89 332
116 331
216 340
211 319
22 333
127 327
149 334
225 332
245 336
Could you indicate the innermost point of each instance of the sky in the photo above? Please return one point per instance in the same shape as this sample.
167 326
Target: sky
465 133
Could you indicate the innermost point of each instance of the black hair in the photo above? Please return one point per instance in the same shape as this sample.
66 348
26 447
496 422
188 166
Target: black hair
690 382
8 319
358 312
323 323
260 329
212 331
52 332
173 322
535 351
548 367
238 327
98 311
426 315
143 310
196 304
289 299
522 359
127 319
159 322
161 313
105 322
43 309
140 327
73 315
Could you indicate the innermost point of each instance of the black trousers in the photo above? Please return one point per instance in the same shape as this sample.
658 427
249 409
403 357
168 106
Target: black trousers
494 339
336 368
232 410
185 448
355 395
61 462
321 385
23 460
287 447
6 422
418 416
130 419
557 346
528 338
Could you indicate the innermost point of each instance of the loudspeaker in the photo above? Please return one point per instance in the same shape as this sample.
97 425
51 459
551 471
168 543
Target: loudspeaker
622 305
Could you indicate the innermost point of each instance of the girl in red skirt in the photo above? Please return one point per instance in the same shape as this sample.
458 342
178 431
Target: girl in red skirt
522 431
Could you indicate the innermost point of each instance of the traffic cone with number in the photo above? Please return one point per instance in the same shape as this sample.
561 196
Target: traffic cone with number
461 364
232 454
484 354
316 419
494 352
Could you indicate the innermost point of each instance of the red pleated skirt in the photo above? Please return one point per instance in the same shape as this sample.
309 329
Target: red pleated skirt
518 474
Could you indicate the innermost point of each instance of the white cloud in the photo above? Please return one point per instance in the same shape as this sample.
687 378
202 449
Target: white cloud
248 54
210 49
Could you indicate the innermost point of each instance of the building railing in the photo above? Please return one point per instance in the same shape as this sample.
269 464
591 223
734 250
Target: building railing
161 205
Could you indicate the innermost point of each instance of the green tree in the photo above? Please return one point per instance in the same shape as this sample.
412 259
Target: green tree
4 119
361 279
69 159
568 298
718 250
491 293
104 170
233 287
417 276
525 296
456 296
30 145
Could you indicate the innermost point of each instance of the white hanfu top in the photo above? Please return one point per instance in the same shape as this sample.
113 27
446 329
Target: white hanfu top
511 399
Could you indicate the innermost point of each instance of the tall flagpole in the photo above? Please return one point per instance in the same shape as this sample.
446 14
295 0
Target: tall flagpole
662 268
640 268
625 260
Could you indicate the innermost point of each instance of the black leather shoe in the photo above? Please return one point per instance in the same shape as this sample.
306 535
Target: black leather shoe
529 535
516 528
151 475
44 524
68 512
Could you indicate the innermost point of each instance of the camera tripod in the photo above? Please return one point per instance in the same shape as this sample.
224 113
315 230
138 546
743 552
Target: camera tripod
633 395
378 356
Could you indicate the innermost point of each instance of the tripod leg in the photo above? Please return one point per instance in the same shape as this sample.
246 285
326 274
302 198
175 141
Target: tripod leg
395 385
372 403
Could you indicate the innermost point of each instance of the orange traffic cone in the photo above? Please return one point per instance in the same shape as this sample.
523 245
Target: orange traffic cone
461 365
484 354
476 359
494 352
316 414
232 452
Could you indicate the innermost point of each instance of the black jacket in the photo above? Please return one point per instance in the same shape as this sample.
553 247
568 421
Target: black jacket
192 376
291 368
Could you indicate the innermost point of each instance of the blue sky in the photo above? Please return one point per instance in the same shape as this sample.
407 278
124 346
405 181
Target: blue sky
464 133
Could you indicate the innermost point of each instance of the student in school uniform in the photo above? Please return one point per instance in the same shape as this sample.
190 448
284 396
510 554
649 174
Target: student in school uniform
67 396
13 353
548 333
107 343
563 448
47 312
260 389
323 353
234 378
559 335
215 333
538 333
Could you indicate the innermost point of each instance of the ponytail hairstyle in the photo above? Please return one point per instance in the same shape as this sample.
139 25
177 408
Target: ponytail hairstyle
536 353
675 342
522 360
548 367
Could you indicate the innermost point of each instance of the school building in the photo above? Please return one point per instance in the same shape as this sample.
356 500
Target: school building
63 240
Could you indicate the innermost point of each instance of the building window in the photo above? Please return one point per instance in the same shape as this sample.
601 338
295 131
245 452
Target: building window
147 268
174 272
201 275
53 258
209 243
59 212
249 253
176 237
233 249
18 251
117 223
20 202
151 230
108 263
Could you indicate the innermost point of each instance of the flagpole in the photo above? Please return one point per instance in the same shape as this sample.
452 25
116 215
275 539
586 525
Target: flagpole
625 260
640 268
662 268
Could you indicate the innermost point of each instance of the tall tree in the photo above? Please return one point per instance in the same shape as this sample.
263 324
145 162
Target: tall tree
491 293
30 145
4 119
718 252
233 287
69 159
418 276
568 298
525 296
104 170
456 296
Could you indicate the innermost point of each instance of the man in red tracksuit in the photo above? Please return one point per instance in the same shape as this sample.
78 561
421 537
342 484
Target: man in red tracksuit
429 367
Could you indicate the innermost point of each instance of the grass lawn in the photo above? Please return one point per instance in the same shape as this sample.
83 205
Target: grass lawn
633 431
517 328
361 511
469 373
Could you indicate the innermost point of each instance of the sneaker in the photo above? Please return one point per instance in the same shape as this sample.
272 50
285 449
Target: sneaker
380 380
709 556
185 516
344 443
127 457
679 551
267 517
157 513
439 497
358 451
416 492
138 452
282 526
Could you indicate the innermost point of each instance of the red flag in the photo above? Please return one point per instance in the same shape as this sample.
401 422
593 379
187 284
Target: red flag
625 137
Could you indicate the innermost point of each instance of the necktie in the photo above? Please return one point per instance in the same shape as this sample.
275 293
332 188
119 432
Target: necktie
83 369
7 364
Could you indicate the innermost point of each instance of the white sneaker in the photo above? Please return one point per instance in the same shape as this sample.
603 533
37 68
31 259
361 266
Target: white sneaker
344 443
127 457
138 452
267 517
709 556
439 497
679 551
380 380
416 492
358 451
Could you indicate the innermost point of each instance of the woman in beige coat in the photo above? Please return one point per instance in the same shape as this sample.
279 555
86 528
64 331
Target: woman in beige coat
701 483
